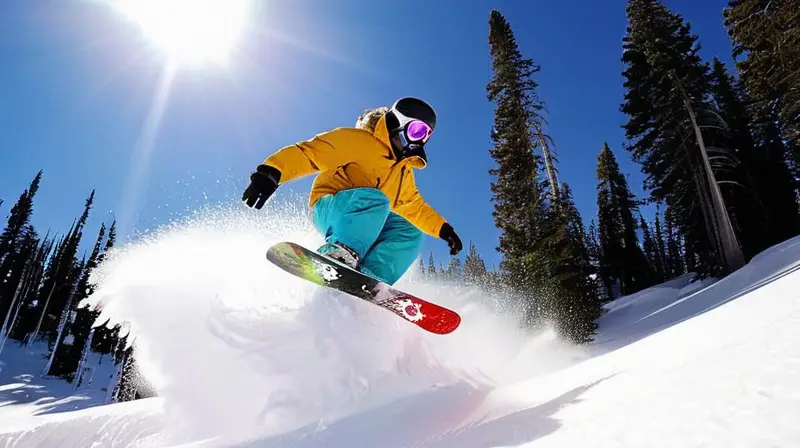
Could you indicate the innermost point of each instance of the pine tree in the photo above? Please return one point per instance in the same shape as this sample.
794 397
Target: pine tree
540 259
661 248
777 181
593 244
29 287
431 266
78 321
667 87
759 188
673 246
518 195
766 42
576 303
622 260
19 217
650 247
17 239
60 279
595 260
105 339
22 268
521 210
455 269
474 266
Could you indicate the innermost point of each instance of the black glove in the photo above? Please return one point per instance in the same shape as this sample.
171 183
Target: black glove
448 234
263 182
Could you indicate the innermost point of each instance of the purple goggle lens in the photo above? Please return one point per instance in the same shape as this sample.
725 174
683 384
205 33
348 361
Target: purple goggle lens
418 131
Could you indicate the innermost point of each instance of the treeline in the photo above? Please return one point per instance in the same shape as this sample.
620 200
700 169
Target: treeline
471 271
719 147
43 278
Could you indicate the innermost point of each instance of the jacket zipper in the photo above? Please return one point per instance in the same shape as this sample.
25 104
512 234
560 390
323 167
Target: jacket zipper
399 185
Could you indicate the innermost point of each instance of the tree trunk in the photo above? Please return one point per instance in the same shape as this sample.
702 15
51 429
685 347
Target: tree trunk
733 258
548 163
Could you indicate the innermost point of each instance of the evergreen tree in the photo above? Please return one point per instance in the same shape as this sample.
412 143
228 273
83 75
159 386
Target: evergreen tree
766 40
521 210
650 247
60 280
622 260
19 217
105 339
759 188
778 184
78 321
431 266
21 268
661 248
593 245
665 79
540 260
576 303
29 287
596 260
517 193
455 270
674 262
16 242
474 267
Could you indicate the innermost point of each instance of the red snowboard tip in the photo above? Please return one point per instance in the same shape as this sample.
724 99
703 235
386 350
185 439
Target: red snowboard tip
426 315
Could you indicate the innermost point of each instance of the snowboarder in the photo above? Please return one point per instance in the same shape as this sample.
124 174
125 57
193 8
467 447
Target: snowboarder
364 200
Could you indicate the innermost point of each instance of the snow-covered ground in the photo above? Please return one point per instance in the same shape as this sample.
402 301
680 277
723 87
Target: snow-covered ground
22 384
244 355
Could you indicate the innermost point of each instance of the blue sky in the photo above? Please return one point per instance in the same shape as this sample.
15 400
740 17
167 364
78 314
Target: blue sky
79 82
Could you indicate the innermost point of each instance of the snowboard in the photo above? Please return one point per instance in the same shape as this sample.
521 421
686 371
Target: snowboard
323 271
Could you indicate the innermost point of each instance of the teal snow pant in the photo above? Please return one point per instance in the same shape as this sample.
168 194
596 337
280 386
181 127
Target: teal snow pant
386 243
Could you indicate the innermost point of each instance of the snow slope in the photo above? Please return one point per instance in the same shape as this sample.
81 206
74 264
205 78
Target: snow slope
22 384
243 355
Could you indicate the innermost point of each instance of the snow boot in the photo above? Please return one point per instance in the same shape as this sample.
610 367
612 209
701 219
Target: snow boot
340 253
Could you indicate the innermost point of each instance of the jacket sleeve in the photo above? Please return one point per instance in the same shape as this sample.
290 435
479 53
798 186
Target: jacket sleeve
324 151
421 214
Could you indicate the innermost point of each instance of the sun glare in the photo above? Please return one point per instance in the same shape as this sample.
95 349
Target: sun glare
189 31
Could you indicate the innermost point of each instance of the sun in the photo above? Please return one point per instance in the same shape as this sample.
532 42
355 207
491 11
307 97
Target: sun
189 31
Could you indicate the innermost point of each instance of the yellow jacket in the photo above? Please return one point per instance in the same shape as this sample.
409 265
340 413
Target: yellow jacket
350 158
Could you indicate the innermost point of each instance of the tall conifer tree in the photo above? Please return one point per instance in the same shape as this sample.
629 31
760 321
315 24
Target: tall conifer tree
665 76
17 242
542 259
518 194
766 43
623 260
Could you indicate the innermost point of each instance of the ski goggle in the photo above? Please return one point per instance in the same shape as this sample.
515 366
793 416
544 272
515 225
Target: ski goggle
418 131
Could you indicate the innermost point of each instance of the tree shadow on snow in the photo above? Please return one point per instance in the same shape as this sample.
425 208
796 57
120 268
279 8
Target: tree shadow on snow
436 419
695 303
21 391
24 391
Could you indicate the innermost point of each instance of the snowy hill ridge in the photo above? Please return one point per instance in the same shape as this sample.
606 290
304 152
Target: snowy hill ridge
269 362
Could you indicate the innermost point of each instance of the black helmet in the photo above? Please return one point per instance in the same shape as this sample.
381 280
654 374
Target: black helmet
402 122
407 109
